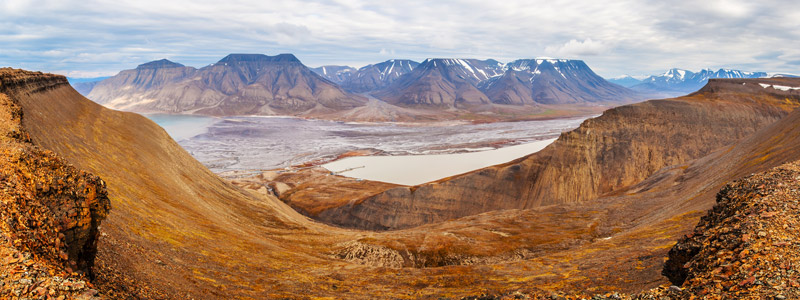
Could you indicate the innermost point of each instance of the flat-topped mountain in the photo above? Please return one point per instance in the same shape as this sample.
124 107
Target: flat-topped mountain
403 90
237 84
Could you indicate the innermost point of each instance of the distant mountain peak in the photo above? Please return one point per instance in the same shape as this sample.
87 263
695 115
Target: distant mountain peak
243 57
160 64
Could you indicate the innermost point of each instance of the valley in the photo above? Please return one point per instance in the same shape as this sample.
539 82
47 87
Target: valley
169 212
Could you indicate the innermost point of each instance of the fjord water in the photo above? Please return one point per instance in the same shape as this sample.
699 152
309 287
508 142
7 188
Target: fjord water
419 169
182 127
264 143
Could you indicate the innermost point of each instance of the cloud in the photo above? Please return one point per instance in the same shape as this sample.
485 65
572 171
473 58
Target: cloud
613 37
575 48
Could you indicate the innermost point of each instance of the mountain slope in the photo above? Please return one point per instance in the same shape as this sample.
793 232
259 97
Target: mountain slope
336 74
377 76
553 81
442 82
238 84
603 155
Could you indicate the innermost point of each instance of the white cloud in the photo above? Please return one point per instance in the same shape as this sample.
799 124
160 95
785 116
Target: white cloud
575 48
614 37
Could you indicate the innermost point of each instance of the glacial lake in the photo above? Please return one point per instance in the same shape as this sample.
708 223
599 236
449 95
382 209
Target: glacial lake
266 143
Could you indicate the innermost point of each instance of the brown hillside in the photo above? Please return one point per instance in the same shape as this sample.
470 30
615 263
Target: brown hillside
618 149
177 231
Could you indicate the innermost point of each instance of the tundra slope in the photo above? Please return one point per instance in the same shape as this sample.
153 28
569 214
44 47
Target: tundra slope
177 231
616 150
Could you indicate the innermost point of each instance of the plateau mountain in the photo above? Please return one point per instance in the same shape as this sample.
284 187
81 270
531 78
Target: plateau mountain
236 85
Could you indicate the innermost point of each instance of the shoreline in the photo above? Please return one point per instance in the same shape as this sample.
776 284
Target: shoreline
412 170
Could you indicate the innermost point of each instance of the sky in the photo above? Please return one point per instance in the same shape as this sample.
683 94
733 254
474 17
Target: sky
91 38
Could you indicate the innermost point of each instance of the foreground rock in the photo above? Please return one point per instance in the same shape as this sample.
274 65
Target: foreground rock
748 245
50 210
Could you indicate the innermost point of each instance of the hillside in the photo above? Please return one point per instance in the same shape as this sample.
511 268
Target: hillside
177 231
603 155
239 84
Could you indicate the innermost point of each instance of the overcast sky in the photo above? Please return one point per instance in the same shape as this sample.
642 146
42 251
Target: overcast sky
95 38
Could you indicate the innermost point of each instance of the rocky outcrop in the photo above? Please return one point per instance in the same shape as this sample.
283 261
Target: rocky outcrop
604 155
50 211
747 245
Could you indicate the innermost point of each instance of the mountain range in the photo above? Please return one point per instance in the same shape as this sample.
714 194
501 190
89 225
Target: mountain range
256 84
676 82
238 84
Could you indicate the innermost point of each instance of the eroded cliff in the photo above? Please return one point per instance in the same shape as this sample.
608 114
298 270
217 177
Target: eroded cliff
50 211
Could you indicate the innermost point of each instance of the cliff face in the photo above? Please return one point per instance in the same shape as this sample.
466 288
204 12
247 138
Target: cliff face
50 210
603 155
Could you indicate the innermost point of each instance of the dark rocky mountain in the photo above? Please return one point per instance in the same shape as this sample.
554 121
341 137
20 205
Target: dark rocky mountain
552 81
443 83
237 84
378 76
680 82
336 74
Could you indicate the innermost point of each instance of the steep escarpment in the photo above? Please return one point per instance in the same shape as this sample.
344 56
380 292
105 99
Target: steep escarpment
50 210
603 155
